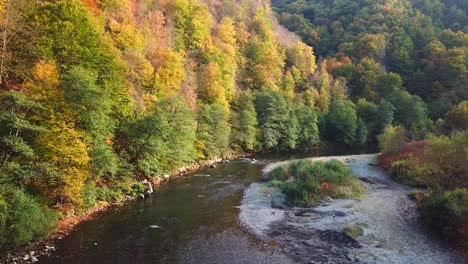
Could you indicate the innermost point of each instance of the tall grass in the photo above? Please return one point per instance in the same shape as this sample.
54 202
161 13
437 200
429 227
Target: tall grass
307 183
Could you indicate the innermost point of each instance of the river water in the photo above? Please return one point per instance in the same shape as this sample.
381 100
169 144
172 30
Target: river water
192 219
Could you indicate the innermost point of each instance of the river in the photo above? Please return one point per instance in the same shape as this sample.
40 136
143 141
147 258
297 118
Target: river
192 219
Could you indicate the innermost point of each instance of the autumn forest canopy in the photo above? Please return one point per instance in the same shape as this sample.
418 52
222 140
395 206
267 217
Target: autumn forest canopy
97 95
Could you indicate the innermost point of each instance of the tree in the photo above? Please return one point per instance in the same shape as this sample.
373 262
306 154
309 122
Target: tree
225 54
66 149
18 128
308 135
457 118
368 70
289 85
341 122
265 60
368 118
400 54
392 139
168 73
323 100
388 84
69 37
362 132
244 123
273 113
192 24
160 141
18 41
370 45
409 109
93 108
385 115
302 57
213 131
211 89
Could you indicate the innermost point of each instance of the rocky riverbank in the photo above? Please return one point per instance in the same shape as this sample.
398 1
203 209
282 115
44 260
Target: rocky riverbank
379 227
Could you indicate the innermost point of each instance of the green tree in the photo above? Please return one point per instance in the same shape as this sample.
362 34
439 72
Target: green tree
388 84
93 107
362 132
213 131
368 70
160 141
341 122
244 123
308 135
278 126
192 23
400 54
17 132
457 118
368 115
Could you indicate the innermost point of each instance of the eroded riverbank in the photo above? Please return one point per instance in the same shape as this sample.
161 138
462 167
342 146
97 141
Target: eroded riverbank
384 215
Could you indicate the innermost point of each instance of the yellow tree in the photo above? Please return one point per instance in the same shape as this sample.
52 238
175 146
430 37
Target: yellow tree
323 101
66 149
265 59
169 71
62 146
225 54
303 58
210 88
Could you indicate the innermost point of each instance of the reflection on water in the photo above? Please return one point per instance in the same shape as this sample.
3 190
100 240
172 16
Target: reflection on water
192 219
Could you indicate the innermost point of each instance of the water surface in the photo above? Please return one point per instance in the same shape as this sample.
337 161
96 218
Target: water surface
192 219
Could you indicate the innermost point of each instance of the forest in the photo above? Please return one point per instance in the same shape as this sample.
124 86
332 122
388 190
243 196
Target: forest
97 95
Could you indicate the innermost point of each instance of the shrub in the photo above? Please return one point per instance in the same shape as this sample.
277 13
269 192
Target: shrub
392 139
90 196
27 220
109 194
138 190
449 158
411 172
306 183
280 173
448 212
415 150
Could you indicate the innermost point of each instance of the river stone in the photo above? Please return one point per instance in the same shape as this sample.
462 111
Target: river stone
314 246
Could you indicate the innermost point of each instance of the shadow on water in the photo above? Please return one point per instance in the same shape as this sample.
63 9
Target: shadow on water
192 219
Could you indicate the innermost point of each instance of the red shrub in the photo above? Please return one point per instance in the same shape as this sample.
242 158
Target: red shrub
324 186
414 149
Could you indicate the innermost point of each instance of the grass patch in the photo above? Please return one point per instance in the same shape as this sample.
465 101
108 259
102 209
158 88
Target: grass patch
307 183
354 231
